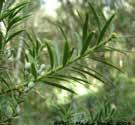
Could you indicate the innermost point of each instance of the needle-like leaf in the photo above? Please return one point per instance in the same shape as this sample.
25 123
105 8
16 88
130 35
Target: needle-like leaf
96 16
66 53
87 42
50 55
104 29
58 86
91 74
57 55
13 35
33 70
85 28
72 78
107 63
63 33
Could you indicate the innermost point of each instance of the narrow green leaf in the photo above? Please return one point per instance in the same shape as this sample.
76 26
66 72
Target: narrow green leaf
9 13
63 33
33 70
112 112
90 74
71 53
66 53
15 20
88 68
87 42
58 55
18 6
4 15
80 17
104 29
96 16
17 11
5 82
35 47
50 55
106 109
107 63
85 28
73 78
31 39
37 43
114 49
1 40
78 73
58 78
55 56
13 35
13 12
58 86
1 4
96 72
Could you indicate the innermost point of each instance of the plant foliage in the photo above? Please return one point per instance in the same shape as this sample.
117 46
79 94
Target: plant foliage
34 72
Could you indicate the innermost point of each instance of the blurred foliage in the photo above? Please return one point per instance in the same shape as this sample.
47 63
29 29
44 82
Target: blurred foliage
79 49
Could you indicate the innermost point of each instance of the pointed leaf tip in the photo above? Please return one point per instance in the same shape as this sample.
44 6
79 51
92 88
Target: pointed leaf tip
66 53
104 29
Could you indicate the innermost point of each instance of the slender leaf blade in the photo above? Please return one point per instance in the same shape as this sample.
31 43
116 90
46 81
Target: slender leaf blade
73 78
87 42
58 86
50 55
13 35
63 33
85 28
66 53
90 74
104 29
33 70
96 16
107 63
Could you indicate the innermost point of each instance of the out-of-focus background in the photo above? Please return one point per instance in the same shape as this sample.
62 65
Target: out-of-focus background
44 105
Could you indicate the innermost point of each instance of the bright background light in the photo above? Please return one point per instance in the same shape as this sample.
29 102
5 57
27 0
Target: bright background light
50 7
